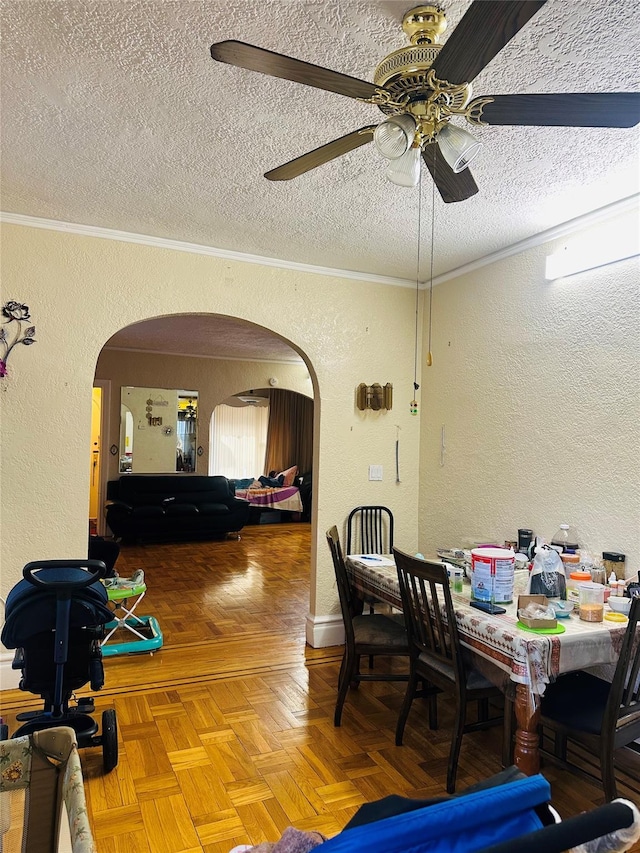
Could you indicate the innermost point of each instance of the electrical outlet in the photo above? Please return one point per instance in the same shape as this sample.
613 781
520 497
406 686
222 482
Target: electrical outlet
375 472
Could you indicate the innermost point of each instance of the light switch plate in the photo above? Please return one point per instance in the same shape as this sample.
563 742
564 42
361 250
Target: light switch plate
375 472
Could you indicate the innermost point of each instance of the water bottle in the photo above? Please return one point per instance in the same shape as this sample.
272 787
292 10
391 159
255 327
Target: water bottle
565 539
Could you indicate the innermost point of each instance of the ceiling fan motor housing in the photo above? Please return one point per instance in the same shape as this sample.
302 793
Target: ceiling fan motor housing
405 75
405 72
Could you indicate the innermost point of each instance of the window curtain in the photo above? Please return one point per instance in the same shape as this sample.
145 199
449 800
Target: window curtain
238 436
290 433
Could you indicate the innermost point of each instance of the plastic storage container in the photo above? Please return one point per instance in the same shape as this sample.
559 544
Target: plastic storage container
565 539
614 562
570 562
591 608
573 582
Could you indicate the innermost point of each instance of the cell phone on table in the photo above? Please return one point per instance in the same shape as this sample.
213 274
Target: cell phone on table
488 607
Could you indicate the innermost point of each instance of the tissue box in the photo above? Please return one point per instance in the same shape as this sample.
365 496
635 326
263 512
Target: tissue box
523 600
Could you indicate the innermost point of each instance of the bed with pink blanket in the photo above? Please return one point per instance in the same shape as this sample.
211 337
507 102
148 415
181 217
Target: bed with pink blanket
282 497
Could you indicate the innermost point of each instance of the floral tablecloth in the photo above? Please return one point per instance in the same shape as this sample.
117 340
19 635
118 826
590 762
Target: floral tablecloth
527 658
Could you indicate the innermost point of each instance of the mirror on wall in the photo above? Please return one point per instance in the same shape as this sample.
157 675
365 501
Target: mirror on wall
158 430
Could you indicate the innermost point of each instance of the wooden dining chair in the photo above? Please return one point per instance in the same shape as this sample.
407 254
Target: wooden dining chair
599 716
365 634
436 658
370 531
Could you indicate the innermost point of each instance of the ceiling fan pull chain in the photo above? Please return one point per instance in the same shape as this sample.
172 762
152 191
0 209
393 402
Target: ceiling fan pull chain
433 228
413 408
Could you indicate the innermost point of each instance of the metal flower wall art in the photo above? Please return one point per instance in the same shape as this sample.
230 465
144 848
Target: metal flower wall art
16 329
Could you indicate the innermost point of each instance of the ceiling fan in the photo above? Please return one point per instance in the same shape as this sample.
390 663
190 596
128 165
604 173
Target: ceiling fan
422 86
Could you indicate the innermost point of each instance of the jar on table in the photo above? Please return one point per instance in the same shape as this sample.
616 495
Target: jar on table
570 562
591 596
614 562
574 580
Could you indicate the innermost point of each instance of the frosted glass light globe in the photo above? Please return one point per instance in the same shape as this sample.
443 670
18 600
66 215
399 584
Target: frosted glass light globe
457 146
394 136
405 170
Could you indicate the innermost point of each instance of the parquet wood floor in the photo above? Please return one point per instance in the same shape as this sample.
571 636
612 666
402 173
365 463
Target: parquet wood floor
226 734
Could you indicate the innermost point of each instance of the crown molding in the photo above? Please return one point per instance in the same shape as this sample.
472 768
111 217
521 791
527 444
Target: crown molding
601 214
194 248
594 217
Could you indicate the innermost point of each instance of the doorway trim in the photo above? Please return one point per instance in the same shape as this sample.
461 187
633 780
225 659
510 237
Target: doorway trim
105 420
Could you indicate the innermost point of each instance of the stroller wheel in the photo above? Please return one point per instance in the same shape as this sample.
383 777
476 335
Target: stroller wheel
4 732
109 740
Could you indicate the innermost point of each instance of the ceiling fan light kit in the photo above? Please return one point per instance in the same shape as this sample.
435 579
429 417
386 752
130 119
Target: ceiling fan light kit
405 171
394 137
423 85
457 146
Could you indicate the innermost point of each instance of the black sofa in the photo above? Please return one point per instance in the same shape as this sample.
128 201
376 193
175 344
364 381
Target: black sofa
147 506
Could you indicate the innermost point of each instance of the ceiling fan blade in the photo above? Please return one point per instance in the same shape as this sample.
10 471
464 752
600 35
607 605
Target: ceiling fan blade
321 155
452 186
277 65
486 27
598 109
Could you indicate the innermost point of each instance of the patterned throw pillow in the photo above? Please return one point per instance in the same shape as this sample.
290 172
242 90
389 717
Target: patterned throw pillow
289 475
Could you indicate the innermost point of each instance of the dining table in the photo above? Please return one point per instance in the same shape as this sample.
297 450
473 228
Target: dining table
521 661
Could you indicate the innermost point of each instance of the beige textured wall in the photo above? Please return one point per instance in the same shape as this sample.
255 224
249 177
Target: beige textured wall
81 290
214 380
537 385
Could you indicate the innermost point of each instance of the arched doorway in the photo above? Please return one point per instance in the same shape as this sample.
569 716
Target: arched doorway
205 357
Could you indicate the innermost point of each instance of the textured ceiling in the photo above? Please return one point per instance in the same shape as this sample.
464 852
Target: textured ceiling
114 115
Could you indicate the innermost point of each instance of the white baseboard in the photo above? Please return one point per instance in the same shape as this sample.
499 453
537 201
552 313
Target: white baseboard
9 678
323 631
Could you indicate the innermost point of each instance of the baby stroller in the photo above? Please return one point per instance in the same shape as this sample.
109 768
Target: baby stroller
55 619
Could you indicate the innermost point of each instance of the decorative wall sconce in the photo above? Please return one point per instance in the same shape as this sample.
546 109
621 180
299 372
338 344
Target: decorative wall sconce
374 396
10 335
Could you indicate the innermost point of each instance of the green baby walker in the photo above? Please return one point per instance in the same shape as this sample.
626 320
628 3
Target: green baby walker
128 633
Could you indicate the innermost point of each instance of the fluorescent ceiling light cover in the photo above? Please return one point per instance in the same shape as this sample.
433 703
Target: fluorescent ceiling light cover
610 243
